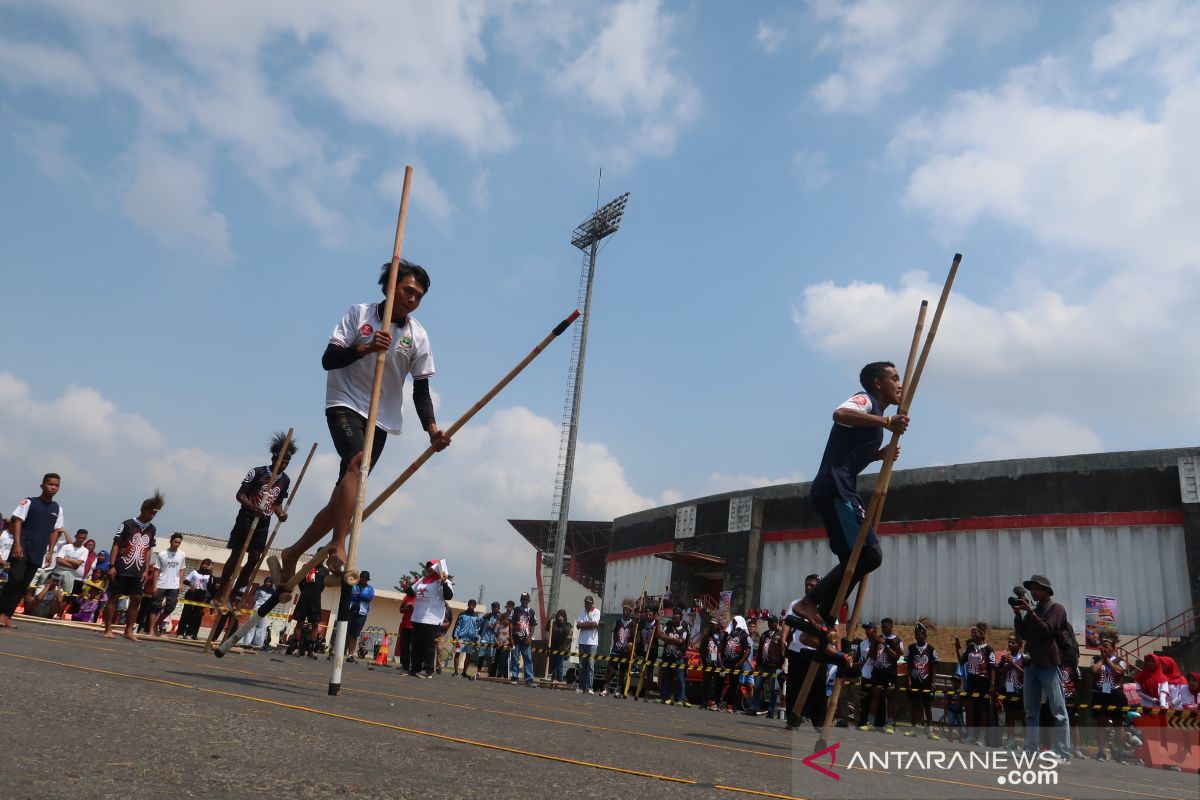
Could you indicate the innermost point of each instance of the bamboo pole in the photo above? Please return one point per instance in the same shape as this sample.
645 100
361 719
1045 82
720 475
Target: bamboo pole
227 581
633 642
650 646
324 552
875 510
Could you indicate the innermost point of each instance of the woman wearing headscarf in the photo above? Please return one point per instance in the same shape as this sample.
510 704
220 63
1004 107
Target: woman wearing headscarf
1153 686
1176 683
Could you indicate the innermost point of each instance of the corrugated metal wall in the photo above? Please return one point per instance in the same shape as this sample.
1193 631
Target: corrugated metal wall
623 579
959 578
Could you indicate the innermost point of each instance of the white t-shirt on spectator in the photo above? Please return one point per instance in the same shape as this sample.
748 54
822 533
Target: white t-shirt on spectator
589 637
864 648
169 564
429 606
72 552
6 543
350 386
795 645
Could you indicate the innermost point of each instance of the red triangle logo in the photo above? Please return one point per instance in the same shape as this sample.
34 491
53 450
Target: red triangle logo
832 751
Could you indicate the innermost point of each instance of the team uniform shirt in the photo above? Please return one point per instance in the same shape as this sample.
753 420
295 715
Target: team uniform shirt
589 637
1014 679
1107 680
710 649
350 386
848 452
136 541
979 659
524 623
429 600
922 659
1066 676
254 486
671 651
360 599
645 640
736 643
767 659
169 564
885 658
39 520
622 635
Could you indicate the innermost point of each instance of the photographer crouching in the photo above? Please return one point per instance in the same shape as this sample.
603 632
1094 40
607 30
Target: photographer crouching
1040 624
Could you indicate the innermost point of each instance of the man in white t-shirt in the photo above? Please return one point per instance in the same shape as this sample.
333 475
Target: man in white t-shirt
170 564
358 334
589 638
68 562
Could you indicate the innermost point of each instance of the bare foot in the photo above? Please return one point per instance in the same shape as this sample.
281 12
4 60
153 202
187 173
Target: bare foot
287 565
131 636
109 635
336 561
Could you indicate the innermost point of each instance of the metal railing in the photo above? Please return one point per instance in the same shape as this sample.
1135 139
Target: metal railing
1177 627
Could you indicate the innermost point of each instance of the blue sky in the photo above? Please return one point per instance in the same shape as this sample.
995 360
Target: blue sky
193 197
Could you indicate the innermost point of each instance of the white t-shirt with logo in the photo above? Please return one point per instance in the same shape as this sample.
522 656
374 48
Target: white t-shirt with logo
429 606
589 637
169 564
6 543
351 386
72 552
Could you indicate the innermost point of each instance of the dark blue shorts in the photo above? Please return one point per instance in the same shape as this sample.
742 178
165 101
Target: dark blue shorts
843 519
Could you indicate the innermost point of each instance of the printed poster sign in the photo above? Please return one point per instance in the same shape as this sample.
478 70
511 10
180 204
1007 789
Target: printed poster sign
1100 618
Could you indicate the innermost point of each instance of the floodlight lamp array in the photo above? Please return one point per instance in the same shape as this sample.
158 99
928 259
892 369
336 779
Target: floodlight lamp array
604 222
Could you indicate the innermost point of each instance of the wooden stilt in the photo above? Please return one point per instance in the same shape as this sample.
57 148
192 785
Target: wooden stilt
637 625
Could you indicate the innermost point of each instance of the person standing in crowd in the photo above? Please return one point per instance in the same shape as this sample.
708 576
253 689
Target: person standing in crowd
149 588
258 637
405 634
524 623
560 631
799 656
467 630
429 596
1108 673
674 636
198 582
308 610
499 667
978 662
588 624
170 563
855 441
770 660
1009 679
68 561
645 652
885 652
735 653
1040 624
710 661
33 523
922 661
257 501
350 377
487 636
619 654
132 554
361 595
6 543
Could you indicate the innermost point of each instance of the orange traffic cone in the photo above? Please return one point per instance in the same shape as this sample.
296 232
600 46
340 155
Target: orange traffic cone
381 658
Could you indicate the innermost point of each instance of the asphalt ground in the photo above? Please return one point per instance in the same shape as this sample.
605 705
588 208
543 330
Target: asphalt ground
97 718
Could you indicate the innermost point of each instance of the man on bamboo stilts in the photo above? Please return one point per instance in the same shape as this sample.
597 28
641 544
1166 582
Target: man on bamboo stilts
855 441
360 333
256 497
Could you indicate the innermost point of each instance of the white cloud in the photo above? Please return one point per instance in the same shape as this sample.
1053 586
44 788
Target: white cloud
769 38
27 65
629 72
1039 435
811 168
46 145
882 45
480 197
425 195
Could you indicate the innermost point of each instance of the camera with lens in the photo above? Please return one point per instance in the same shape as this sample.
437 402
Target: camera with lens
1019 593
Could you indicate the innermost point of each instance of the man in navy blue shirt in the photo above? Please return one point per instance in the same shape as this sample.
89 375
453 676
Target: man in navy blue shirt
32 524
855 441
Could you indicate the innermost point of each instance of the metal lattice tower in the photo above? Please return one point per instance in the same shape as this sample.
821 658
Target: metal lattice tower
587 237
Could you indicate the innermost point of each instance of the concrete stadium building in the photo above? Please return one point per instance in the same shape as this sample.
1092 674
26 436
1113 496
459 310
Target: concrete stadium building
955 540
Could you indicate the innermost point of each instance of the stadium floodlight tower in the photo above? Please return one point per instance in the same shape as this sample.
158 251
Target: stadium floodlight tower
587 237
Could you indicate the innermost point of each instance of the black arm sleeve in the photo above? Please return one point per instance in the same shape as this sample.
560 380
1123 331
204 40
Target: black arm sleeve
423 402
447 591
336 357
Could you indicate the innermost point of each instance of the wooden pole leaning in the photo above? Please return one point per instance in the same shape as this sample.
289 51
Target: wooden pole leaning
278 523
650 646
350 575
324 552
875 509
637 625
227 581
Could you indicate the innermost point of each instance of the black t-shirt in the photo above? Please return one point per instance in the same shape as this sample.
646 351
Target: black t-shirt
312 587
672 651
254 486
646 639
767 658
979 659
136 543
736 643
922 660
622 635
710 648
524 623
848 451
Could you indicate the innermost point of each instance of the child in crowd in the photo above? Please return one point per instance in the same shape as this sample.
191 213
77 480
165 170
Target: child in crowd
955 726
1108 672
1010 680
922 665
979 660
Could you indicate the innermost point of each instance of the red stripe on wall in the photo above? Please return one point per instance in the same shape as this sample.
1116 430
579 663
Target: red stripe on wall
1091 520
648 550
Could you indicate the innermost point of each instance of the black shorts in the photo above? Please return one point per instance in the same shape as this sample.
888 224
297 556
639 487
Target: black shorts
883 678
348 429
1015 704
308 612
1109 699
258 542
125 586
920 689
977 684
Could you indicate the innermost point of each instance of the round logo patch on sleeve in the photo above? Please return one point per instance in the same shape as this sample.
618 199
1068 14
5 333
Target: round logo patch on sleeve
365 329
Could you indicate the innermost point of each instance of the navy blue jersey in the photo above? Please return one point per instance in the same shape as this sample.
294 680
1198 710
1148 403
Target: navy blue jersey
254 486
39 519
848 452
